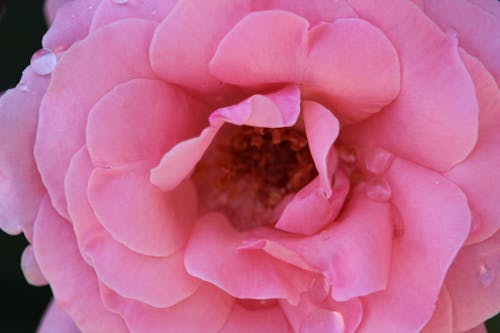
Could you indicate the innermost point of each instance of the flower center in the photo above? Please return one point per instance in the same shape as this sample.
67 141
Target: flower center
248 172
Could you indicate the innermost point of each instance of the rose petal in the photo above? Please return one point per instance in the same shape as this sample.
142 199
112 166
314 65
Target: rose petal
56 320
474 284
352 67
478 329
437 130
30 268
422 255
151 278
441 321
50 9
212 255
72 281
270 319
112 55
247 54
146 220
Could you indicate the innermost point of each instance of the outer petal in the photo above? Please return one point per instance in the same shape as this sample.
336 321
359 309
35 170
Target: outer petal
478 28
56 320
30 268
436 130
422 255
114 54
474 175
247 54
270 319
213 255
20 187
474 284
51 7
148 279
72 281
352 67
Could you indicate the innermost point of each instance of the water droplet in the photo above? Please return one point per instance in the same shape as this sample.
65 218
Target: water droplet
378 160
378 189
22 86
120 2
486 275
153 13
43 61
319 289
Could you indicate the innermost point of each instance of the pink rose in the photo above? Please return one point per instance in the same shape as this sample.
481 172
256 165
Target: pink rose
259 166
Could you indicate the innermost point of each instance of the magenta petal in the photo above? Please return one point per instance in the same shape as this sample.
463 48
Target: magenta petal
474 283
422 255
20 186
352 67
56 320
146 219
437 130
72 281
247 54
151 278
270 319
478 329
94 61
441 321
213 255
138 121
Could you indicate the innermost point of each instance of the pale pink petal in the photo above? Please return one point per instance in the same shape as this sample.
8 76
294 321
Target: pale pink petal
436 130
474 283
247 54
474 175
157 281
110 11
205 311
478 30
72 281
70 25
137 214
112 55
441 321
270 319
186 63
30 268
309 211
274 110
352 67
491 6
315 11
436 222
322 129
56 320
50 9
20 186
138 121
213 255
478 329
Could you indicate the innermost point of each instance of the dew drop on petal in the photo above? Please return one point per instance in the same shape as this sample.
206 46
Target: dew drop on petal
486 275
378 160
43 61
322 320
120 2
22 86
153 13
319 289
378 189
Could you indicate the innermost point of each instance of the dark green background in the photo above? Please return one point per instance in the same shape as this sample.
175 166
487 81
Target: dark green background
21 305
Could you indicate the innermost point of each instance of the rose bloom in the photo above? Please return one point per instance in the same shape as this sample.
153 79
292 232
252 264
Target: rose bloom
259 166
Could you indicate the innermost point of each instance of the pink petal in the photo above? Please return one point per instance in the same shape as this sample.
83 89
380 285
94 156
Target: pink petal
70 25
186 64
112 55
20 186
213 255
278 109
56 320
30 268
151 279
109 11
422 255
478 34
474 283
434 120
247 54
309 211
72 281
137 214
441 321
491 6
315 11
205 311
270 319
474 175
120 130
352 67
50 9
478 329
